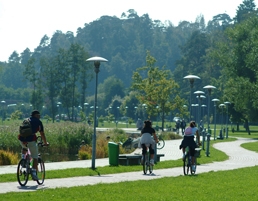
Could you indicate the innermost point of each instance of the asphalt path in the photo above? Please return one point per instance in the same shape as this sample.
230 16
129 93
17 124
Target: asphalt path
238 158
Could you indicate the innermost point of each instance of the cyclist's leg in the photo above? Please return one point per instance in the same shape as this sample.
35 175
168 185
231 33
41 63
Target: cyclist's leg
192 152
151 150
144 151
34 153
24 148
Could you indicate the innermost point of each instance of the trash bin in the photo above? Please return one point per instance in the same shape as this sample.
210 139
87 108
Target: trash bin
113 153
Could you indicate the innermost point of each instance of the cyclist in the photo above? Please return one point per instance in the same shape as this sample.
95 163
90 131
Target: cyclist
146 140
188 140
30 141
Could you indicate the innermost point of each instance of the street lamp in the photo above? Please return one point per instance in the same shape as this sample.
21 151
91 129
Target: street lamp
201 98
199 93
209 87
144 111
221 131
135 107
59 109
191 79
117 116
86 108
203 107
215 100
126 116
3 109
196 112
227 103
96 61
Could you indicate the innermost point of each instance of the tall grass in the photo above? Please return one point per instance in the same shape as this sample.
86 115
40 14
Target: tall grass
65 139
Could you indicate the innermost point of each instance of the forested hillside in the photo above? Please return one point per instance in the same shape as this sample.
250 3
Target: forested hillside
57 71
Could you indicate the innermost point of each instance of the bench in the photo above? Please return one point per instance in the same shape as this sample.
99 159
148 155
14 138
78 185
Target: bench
133 159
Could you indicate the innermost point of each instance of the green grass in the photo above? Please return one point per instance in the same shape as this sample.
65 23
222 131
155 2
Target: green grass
215 155
240 184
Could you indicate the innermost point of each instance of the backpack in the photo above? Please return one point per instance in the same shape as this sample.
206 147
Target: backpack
188 131
25 128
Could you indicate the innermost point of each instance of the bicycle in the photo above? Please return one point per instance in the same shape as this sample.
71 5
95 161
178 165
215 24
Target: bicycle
161 142
24 168
187 162
146 162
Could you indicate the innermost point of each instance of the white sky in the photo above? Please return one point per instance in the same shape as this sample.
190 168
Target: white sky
24 22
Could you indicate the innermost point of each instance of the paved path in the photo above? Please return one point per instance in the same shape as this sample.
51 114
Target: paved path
238 158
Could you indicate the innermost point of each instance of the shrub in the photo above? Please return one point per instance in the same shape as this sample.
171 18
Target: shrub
8 158
85 152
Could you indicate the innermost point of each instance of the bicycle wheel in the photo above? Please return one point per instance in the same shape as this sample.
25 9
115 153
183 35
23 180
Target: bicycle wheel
23 172
187 164
150 168
40 171
144 164
160 144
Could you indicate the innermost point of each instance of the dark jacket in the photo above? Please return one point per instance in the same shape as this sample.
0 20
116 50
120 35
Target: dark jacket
36 126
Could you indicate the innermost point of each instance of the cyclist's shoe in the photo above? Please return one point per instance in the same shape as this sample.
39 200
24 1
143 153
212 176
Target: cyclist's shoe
34 175
193 168
151 162
183 157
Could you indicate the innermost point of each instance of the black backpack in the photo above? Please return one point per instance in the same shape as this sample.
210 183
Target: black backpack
25 128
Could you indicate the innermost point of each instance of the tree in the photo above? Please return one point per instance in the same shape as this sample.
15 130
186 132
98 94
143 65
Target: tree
51 82
110 88
33 75
155 87
245 10
239 59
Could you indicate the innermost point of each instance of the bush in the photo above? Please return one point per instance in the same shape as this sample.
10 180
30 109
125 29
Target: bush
8 158
85 152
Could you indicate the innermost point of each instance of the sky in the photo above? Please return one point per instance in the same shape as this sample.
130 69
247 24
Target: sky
23 23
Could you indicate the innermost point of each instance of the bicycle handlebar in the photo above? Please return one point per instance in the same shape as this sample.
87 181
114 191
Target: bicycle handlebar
40 143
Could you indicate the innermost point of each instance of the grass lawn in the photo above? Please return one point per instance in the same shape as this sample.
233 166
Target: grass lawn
240 184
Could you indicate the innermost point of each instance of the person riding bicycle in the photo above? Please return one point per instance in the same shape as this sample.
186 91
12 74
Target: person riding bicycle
146 140
188 140
31 141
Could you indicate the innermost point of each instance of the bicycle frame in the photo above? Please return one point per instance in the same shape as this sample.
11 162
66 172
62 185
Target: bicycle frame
187 162
25 166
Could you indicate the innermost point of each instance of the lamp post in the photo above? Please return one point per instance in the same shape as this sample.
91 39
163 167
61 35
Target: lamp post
126 116
215 106
196 111
221 131
199 93
3 109
209 88
117 114
227 103
185 108
202 97
203 106
86 108
59 109
96 61
191 79
135 113
144 111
